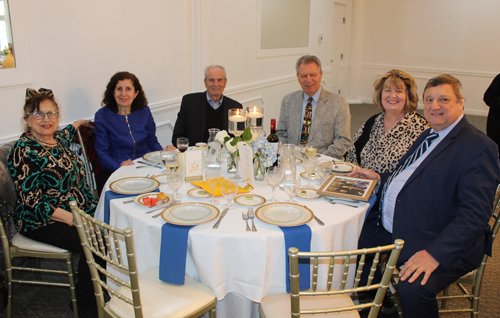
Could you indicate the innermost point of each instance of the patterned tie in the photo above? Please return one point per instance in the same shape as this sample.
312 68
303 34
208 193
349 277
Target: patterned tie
306 124
414 156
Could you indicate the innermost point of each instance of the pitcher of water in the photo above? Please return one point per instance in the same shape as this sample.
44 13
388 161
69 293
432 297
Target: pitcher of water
288 161
213 147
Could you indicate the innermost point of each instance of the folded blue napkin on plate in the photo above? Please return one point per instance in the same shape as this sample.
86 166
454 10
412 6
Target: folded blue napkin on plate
299 237
110 195
173 249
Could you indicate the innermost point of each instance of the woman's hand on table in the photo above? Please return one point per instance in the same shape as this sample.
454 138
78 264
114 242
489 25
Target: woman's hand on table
364 173
169 147
63 216
127 163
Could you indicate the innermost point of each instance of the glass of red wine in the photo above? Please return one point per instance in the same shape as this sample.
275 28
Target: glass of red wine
182 144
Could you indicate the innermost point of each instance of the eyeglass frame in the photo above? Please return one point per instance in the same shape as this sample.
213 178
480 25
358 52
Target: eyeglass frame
44 114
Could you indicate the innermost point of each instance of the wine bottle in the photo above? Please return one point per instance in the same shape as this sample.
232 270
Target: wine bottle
273 139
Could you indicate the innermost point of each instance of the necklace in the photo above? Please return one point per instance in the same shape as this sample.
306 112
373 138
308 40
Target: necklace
44 142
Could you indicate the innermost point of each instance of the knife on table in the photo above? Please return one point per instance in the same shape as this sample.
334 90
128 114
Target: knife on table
216 225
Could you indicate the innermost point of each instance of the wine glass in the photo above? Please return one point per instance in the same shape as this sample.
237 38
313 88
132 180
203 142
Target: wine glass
212 176
309 165
229 190
170 160
174 182
292 186
311 150
274 177
324 169
182 144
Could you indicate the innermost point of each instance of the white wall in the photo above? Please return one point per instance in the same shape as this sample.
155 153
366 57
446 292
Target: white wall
427 38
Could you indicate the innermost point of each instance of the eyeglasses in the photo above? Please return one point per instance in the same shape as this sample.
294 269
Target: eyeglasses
41 115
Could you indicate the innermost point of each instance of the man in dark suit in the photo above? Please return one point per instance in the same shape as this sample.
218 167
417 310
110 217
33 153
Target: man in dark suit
439 202
204 110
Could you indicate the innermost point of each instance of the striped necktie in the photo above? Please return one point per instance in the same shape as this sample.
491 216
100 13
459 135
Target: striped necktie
411 159
306 124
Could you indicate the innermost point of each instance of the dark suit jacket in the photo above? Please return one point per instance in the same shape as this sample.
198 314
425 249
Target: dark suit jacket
191 117
446 204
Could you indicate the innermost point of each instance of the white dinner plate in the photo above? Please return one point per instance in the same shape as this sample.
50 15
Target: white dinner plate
340 166
134 185
249 200
199 193
138 199
284 214
314 176
308 193
190 213
153 156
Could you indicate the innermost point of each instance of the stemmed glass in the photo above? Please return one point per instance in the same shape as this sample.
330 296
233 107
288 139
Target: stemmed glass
311 150
229 190
292 186
170 160
274 177
324 169
212 175
174 182
309 165
182 144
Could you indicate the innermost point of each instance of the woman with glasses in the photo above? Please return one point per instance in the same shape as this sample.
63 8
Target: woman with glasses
47 176
124 127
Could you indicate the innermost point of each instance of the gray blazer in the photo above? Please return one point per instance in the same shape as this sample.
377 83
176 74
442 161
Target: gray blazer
330 128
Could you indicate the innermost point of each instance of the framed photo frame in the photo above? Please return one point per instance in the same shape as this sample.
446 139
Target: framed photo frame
348 187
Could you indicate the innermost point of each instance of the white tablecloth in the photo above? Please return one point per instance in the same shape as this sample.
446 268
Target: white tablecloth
244 266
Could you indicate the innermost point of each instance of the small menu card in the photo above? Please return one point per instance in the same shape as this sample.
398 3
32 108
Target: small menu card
193 165
246 162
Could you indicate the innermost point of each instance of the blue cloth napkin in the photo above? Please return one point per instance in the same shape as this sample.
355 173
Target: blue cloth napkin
371 202
299 237
173 249
110 195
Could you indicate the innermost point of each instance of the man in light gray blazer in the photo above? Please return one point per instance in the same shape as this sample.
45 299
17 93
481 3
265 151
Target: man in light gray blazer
330 127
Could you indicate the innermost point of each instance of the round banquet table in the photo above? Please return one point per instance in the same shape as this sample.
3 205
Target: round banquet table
241 267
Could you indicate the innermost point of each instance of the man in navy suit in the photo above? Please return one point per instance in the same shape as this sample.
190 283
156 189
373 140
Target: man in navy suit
439 204
204 110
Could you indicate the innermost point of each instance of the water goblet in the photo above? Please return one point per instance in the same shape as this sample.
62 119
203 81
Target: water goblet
324 169
310 166
174 182
182 144
291 185
274 177
229 190
311 150
170 160
212 176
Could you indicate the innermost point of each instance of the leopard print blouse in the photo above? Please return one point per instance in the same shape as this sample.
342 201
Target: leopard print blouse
382 151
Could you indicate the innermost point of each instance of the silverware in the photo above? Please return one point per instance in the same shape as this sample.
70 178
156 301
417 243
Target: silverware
149 166
128 201
216 225
163 207
149 163
251 216
318 220
340 199
351 205
244 214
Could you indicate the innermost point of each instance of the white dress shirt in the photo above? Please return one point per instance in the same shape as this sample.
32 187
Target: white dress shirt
213 103
399 181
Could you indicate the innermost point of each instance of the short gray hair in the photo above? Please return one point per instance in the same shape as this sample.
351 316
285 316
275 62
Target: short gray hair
308 59
215 66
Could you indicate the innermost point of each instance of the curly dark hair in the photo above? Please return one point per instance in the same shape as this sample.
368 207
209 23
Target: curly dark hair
108 98
32 105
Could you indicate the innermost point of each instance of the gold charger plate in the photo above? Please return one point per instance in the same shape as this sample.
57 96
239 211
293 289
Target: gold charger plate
154 156
308 193
314 176
284 214
198 193
342 167
250 200
138 199
134 185
190 213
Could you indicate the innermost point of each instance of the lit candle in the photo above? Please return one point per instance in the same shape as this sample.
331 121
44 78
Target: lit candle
255 113
237 118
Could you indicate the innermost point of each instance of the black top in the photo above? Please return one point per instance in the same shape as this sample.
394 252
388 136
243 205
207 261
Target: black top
492 99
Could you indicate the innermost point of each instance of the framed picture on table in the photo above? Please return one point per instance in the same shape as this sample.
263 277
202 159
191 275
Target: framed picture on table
348 187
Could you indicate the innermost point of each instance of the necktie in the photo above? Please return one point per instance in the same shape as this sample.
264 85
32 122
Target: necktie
414 156
306 124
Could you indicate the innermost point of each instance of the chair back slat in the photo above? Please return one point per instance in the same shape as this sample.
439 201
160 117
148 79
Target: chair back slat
346 259
373 268
102 240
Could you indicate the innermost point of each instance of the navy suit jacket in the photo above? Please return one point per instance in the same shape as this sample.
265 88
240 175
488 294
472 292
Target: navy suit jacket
445 206
190 121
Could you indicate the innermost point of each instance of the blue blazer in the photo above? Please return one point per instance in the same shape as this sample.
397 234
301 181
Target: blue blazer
445 205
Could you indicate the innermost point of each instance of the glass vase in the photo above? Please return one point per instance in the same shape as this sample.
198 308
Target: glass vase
259 171
232 164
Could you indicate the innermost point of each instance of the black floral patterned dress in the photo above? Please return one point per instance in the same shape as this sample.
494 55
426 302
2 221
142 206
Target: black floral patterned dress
47 178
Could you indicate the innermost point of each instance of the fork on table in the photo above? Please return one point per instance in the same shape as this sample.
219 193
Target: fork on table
251 216
244 214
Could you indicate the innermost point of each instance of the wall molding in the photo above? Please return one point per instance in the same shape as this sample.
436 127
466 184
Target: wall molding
437 71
